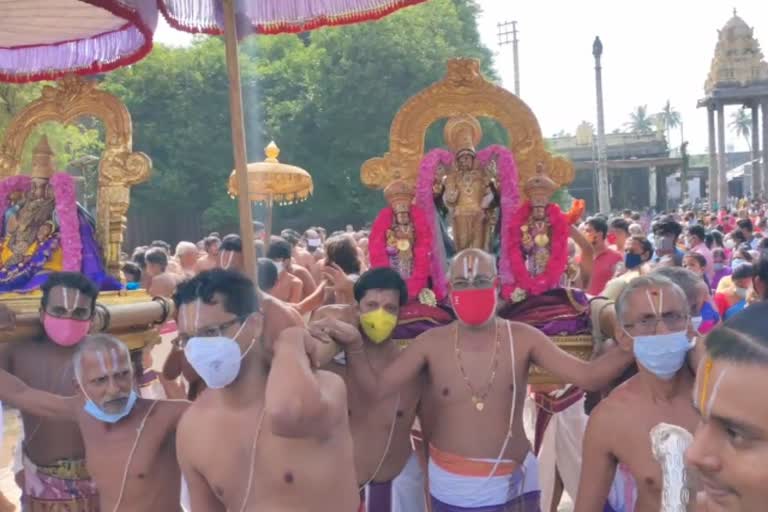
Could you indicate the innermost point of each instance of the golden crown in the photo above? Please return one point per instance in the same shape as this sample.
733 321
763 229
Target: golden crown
540 186
399 195
462 134
42 160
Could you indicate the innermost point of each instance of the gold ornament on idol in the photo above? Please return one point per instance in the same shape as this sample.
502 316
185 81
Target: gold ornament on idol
478 398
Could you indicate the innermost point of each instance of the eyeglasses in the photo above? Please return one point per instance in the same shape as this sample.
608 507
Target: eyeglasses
673 321
211 331
478 282
79 313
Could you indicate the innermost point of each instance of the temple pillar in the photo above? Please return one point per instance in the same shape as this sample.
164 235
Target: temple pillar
722 178
764 167
712 176
757 174
652 190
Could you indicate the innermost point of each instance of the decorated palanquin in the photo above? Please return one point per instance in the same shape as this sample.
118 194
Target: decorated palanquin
497 198
43 229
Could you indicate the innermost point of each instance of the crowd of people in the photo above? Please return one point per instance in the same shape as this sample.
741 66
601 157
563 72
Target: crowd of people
283 389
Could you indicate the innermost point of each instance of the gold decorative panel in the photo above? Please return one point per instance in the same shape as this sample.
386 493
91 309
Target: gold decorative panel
119 169
463 90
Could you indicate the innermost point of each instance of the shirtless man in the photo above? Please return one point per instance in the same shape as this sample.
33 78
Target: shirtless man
158 281
129 441
270 433
727 456
231 253
53 451
301 256
655 316
187 255
289 288
472 399
211 259
387 467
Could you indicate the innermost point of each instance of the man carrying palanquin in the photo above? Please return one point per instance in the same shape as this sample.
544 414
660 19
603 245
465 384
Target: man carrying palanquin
129 441
472 399
270 432
55 476
387 467
467 190
653 313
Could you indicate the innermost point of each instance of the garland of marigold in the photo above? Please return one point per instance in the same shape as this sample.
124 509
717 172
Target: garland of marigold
422 244
558 256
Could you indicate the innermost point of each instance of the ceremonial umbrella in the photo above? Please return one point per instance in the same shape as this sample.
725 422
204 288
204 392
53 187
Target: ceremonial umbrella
271 182
35 47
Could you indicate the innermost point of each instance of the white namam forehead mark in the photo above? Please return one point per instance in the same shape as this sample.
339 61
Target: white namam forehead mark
470 266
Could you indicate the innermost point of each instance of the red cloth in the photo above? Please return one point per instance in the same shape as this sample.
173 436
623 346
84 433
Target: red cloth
603 268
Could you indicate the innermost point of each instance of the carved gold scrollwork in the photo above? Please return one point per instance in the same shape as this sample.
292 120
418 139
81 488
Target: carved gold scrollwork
462 91
119 169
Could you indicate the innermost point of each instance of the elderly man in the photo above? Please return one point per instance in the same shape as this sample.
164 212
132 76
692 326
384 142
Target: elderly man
129 441
187 255
655 317
476 386
387 468
728 451
270 432
53 453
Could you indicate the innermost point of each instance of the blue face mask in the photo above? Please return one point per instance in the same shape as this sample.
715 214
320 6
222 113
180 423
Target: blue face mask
736 262
632 260
662 354
113 417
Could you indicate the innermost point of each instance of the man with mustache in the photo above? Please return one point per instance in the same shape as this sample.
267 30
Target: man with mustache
129 441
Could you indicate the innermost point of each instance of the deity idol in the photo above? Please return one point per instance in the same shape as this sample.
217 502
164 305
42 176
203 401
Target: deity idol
402 239
468 190
43 230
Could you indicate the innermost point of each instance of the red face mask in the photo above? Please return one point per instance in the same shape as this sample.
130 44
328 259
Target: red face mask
474 306
611 238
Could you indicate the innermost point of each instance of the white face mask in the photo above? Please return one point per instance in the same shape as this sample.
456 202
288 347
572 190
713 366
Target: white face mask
696 321
280 266
216 359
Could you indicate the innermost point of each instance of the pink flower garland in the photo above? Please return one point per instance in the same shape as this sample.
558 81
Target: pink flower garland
69 226
377 247
558 257
66 211
506 167
425 200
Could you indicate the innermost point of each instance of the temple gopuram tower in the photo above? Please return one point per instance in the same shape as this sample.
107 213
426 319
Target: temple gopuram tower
738 76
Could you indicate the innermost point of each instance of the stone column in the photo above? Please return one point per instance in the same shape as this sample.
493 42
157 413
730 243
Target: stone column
722 178
712 177
757 174
764 168
652 191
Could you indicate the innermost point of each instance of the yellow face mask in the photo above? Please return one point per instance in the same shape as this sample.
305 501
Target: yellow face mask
378 325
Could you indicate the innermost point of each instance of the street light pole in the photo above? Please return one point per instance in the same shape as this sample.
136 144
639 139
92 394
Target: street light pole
604 200
504 39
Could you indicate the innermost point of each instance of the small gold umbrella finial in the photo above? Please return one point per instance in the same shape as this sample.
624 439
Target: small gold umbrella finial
271 152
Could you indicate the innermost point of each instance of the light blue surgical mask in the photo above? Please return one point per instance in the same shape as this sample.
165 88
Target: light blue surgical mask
736 262
110 417
662 354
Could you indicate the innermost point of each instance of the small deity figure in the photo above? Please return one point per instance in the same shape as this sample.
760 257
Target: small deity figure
29 220
39 228
400 235
537 232
467 190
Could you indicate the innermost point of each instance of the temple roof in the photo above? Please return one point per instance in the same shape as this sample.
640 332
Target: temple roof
738 61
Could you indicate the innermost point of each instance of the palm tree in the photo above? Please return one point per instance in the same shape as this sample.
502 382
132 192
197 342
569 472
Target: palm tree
640 122
669 118
741 124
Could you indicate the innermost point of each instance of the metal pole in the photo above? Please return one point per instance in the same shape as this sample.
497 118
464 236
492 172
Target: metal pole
755 156
604 200
722 175
504 39
238 139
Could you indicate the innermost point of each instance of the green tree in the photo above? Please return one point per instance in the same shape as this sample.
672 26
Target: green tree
669 119
640 121
741 124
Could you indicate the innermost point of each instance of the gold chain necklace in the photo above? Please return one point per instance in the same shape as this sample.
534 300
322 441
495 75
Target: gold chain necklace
479 398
